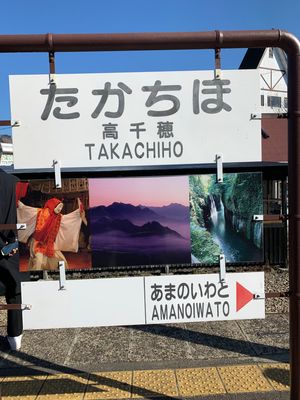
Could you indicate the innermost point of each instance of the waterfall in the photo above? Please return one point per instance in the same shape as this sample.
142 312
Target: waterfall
217 216
213 210
237 237
221 218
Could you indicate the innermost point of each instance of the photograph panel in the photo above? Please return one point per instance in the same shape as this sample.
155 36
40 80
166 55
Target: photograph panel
139 221
57 224
221 218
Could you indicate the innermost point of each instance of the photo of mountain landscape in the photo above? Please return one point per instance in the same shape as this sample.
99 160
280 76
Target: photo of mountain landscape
139 221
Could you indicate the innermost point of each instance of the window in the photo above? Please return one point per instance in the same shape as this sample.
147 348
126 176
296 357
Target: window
274 101
262 100
285 102
270 52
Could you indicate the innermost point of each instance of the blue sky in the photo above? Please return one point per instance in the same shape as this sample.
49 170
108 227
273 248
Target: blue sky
114 16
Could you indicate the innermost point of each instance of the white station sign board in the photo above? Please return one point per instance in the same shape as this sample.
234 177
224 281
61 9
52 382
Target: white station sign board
135 119
143 300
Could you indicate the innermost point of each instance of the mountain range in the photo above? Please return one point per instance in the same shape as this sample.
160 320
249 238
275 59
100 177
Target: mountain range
173 211
153 228
140 214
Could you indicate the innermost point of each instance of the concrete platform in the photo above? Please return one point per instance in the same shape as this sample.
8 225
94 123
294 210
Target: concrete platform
217 360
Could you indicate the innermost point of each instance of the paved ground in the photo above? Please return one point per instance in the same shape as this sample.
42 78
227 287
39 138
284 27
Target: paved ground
217 360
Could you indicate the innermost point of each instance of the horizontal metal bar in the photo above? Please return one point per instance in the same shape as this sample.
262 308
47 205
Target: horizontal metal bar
275 218
270 116
148 41
182 168
12 227
5 122
272 295
14 307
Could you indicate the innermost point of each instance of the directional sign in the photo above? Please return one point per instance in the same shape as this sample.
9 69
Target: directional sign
243 296
186 298
143 300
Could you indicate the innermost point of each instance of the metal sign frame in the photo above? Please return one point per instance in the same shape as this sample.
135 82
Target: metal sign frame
52 43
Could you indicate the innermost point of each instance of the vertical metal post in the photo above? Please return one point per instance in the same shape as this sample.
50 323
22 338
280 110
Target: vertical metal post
294 220
219 161
51 67
52 62
217 63
285 212
222 262
57 173
62 275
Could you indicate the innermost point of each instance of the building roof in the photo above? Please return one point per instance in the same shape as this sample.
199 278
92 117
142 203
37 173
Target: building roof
252 58
274 130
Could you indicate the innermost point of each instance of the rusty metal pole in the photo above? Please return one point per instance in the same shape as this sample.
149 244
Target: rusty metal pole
143 41
210 40
294 215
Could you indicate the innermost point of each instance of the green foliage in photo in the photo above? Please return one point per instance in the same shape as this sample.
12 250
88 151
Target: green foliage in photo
204 248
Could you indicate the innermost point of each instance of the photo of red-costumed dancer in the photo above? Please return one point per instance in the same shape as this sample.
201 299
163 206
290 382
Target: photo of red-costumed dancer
49 233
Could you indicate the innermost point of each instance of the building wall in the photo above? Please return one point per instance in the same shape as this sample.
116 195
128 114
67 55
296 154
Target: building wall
273 81
275 146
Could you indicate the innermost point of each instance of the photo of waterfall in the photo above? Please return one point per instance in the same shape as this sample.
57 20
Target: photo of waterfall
221 218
